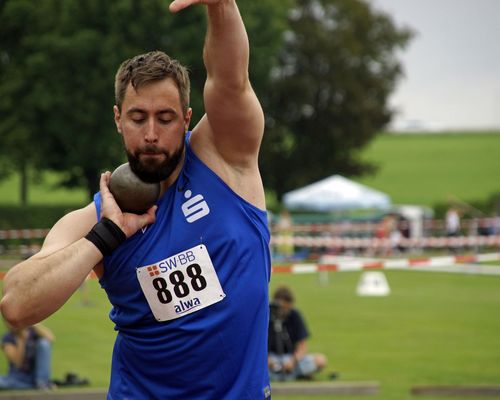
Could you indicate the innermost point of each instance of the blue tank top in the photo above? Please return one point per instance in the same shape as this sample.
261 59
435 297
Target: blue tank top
218 351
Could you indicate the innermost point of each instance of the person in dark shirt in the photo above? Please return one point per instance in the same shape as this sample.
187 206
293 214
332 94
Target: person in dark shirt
28 353
288 358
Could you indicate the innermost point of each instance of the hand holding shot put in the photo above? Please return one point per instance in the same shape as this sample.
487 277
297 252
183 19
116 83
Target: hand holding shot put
187 272
129 221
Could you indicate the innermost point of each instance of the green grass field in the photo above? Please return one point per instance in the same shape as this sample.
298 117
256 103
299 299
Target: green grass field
42 191
433 328
421 169
428 169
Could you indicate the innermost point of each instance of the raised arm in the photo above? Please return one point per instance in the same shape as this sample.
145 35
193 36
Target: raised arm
233 112
229 135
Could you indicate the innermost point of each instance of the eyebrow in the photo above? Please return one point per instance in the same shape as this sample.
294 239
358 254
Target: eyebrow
142 111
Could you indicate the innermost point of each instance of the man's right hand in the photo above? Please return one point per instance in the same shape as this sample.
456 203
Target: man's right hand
129 223
178 5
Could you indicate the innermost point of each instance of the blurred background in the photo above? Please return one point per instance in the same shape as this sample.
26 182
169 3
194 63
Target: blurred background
381 151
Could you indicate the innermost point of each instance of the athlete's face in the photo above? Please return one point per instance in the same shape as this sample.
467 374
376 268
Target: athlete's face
153 127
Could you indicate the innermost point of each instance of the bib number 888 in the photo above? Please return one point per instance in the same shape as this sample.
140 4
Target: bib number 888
179 286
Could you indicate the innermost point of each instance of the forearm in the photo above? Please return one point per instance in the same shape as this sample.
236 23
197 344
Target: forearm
300 350
21 350
15 352
226 51
39 286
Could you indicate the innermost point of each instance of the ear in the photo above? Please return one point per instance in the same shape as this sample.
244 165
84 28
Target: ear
118 116
187 118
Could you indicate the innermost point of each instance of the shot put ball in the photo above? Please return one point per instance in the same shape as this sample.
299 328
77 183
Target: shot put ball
130 192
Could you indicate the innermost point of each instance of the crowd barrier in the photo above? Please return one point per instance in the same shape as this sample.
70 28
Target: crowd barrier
335 263
28 241
23 234
384 243
335 228
434 226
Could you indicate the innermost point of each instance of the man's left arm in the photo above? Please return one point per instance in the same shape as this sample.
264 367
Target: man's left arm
234 122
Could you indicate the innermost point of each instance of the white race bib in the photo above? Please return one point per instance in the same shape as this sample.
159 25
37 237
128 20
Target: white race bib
181 284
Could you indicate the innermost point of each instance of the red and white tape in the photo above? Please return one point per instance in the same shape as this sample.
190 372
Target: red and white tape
23 234
374 243
333 263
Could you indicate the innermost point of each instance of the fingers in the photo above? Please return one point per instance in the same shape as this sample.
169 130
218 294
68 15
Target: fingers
108 201
104 184
109 207
178 5
150 216
133 222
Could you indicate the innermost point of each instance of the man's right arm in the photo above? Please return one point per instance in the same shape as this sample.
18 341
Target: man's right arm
40 285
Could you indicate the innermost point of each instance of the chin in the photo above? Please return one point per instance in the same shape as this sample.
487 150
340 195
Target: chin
152 172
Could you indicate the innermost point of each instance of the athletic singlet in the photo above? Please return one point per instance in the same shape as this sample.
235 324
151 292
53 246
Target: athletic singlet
207 246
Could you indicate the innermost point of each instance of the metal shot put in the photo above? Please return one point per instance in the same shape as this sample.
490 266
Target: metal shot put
130 192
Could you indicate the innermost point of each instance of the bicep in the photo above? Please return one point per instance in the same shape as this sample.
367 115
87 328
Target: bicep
236 121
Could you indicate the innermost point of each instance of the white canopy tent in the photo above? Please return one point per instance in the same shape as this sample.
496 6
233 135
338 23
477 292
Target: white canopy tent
335 193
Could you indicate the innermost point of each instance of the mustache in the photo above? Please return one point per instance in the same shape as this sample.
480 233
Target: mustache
150 150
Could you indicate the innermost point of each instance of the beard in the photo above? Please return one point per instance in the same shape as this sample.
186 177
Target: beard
153 171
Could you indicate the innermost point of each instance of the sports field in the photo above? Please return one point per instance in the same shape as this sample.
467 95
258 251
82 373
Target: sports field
434 328
428 169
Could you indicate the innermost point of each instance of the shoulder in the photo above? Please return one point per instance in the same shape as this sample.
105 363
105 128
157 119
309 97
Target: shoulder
239 171
8 337
296 319
296 314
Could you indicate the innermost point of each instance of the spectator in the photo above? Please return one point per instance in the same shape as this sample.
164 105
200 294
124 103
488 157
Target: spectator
28 352
288 358
452 222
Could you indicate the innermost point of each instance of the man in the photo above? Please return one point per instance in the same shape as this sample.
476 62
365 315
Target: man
28 352
187 279
288 334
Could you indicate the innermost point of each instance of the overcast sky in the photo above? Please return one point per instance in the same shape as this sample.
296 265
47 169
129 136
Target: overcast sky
452 65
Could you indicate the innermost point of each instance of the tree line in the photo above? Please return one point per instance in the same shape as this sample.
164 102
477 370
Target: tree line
323 70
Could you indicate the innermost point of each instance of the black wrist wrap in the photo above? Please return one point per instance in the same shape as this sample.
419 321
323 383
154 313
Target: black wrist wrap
106 236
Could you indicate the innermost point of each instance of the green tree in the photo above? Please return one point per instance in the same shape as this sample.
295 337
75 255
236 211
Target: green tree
58 60
330 91
76 58
17 123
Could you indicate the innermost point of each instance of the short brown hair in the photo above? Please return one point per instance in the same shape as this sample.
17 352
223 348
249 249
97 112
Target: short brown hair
151 67
285 294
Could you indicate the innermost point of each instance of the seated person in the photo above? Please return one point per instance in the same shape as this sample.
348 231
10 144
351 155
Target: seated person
28 352
288 358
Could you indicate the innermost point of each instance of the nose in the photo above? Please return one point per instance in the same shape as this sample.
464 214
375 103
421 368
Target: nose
151 135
